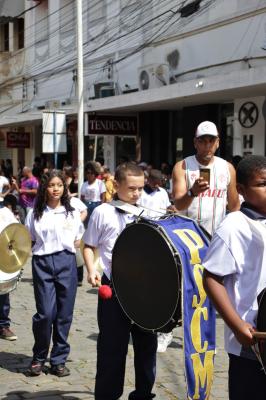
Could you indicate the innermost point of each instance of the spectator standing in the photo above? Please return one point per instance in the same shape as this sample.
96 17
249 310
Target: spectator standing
70 181
108 180
9 168
28 189
205 201
92 191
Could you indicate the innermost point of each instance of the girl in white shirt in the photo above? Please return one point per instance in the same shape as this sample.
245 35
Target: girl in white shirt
55 228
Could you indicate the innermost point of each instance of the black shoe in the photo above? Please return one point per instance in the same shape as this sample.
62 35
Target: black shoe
59 370
135 396
36 368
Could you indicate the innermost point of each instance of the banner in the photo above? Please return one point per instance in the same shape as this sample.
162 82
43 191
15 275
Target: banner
198 313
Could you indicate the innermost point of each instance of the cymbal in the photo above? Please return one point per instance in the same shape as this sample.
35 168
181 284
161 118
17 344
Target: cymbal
15 247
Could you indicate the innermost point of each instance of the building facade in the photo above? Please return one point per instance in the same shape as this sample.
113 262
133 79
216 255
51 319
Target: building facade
162 66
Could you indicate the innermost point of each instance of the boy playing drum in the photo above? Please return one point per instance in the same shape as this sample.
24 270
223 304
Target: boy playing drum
106 223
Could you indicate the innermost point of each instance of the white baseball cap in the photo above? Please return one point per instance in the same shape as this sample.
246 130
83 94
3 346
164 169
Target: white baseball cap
206 128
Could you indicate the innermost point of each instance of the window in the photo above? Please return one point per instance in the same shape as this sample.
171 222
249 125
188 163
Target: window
19 33
4 37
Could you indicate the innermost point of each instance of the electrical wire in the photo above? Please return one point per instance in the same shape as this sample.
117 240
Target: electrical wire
129 54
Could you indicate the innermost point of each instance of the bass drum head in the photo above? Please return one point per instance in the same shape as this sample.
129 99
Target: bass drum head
145 276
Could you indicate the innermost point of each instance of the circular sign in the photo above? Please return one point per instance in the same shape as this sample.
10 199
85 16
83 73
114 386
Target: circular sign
248 114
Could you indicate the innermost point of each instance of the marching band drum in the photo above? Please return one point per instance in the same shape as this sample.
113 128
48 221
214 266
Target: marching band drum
146 275
157 279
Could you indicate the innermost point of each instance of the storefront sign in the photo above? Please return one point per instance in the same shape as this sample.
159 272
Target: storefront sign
18 140
112 125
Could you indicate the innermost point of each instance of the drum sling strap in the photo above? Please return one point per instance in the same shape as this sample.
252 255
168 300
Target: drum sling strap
198 312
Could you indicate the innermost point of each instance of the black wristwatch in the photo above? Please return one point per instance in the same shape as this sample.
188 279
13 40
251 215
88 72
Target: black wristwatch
190 193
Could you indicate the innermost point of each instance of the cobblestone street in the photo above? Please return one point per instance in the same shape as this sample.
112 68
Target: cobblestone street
16 356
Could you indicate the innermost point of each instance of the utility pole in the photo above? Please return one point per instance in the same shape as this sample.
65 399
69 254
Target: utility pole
80 96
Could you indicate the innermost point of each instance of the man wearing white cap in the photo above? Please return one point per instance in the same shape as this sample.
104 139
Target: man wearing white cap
204 186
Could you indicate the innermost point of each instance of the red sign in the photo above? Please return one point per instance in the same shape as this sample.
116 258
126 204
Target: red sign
19 140
112 125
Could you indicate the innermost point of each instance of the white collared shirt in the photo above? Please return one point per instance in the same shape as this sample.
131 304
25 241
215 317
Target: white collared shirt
76 203
237 252
155 203
106 224
54 231
6 218
92 192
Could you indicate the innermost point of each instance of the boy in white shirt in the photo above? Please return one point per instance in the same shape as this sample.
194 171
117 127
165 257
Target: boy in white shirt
154 198
235 274
106 223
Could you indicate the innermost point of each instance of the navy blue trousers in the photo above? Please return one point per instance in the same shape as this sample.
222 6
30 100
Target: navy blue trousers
4 311
112 346
247 381
55 286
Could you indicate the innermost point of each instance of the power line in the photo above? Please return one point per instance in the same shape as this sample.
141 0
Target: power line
66 67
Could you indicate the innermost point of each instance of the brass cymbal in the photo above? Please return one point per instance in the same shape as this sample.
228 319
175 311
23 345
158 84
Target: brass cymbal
15 247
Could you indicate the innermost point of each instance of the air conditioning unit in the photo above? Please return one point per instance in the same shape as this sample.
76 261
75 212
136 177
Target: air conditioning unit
153 76
104 89
66 102
51 104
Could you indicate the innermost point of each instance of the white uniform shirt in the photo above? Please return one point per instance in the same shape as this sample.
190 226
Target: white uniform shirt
6 218
54 231
238 252
155 203
105 225
209 208
93 192
76 203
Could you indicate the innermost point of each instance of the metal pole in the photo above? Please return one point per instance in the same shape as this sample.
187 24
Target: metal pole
95 147
54 138
80 96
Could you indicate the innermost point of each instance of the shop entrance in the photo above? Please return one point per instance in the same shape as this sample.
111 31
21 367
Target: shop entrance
110 150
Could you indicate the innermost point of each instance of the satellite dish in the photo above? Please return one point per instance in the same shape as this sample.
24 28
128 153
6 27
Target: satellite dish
144 80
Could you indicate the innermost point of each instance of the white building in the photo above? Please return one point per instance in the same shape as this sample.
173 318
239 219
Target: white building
166 64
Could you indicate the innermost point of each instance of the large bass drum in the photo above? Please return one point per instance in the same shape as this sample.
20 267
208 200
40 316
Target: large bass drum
146 276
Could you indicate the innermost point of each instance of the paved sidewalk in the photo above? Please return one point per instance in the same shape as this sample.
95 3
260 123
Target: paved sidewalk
15 356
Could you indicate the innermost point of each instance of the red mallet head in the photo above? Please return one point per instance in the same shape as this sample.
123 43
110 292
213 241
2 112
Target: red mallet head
105 292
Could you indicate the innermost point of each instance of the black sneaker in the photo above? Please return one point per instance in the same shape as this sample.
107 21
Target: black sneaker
36 368
59 370
7 334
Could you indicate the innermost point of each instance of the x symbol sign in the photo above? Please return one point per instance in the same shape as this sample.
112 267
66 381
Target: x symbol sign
248 114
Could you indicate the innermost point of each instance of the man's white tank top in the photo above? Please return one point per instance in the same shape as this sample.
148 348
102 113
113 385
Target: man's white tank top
209 208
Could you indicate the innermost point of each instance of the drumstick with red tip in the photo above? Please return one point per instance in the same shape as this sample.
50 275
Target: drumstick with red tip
105 292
